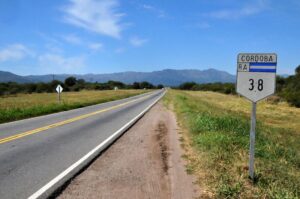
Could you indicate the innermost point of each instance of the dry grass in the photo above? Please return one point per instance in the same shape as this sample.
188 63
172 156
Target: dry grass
216 141
29 105
36 99
277 115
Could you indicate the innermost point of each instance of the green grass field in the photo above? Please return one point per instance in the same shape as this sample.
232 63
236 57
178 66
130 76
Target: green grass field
22 106
216 141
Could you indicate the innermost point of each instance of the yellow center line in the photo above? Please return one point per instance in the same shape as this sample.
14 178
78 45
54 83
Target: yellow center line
44 128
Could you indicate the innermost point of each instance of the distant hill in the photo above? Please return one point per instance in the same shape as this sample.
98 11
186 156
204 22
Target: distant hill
167 77
10 77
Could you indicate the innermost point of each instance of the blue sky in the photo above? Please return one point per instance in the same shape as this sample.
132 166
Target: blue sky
104 36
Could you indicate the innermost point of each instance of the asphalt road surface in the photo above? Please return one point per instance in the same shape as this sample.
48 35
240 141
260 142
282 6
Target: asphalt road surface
40 154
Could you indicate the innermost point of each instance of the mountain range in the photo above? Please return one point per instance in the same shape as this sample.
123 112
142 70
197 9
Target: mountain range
168 77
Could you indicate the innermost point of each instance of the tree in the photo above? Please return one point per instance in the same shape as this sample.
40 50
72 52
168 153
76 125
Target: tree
81 81
280 83
3 88
54 83
147 85
160 86
297 71
290 88
30 88
70 81
113 84
43 87
136 85
187 85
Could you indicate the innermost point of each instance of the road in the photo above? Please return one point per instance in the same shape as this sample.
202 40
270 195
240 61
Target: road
40 154
146 162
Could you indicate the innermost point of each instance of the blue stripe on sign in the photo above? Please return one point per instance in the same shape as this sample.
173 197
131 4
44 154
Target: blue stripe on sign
262 70
263 64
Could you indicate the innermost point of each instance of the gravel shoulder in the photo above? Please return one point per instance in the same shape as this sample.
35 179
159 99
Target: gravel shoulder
145 162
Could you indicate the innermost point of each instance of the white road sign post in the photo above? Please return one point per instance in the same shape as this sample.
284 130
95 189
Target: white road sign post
59 89
256 79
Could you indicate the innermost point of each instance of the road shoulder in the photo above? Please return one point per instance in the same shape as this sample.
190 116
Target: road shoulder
145 162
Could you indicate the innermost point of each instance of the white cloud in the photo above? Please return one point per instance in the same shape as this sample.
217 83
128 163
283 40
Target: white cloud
60 64
95 46
54 48
137 42
14 52
248 10
203 25
48 38
52 44
158 12
73 39
100 16
120 50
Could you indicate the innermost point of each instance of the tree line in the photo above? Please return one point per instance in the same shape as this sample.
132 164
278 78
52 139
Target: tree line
287 88
70 84
226 88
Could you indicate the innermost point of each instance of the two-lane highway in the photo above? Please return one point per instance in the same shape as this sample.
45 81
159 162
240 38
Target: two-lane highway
38 155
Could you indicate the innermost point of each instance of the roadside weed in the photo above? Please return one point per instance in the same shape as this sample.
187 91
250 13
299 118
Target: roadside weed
219 126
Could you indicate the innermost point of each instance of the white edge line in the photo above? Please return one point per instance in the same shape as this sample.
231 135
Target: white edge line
55 180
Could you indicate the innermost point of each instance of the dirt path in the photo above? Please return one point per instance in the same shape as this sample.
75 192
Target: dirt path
144 163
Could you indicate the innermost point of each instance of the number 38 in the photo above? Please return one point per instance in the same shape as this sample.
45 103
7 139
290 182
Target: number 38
260 85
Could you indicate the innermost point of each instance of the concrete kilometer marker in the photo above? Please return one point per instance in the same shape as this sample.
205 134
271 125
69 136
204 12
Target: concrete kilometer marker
256 79
59 90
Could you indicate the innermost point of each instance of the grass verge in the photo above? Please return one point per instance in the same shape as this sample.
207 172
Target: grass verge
217 143
30 105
